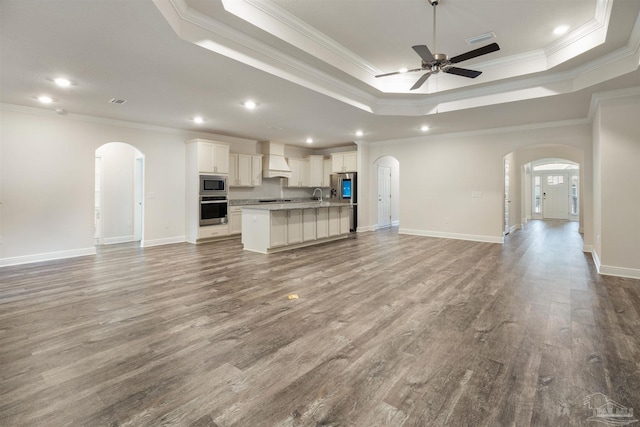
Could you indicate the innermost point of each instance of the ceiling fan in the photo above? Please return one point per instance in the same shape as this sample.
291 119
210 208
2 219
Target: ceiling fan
434 63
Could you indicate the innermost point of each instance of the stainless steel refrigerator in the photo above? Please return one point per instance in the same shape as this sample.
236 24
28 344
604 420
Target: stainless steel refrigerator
344 189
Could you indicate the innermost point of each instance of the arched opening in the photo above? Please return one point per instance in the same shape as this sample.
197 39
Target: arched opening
546 182
387 173
119 189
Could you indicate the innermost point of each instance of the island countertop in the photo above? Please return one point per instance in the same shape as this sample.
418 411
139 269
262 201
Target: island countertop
291 206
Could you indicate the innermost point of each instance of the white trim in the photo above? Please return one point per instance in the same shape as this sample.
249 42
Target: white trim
163 241
395 223
363 229
587 248
119 239
487 131
188 134
608 270
457 236
598 97
596 260
48 256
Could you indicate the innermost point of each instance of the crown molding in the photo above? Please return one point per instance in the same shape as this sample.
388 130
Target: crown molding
599 97
43 112
446 94
479 132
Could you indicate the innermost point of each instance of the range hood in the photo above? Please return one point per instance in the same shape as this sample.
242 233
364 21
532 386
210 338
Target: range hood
274 164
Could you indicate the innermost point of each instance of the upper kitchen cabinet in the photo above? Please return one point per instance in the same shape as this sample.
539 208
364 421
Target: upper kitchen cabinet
299 173
344 162
318 171
245 170
213 157
256 170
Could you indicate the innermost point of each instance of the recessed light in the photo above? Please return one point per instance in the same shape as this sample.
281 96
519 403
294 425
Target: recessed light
424 128
309 140
359 133
117 101
558 31
62 82
198 120
45 99
403 70
250 105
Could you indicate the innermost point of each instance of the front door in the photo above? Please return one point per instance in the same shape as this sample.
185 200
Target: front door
555 196
384 196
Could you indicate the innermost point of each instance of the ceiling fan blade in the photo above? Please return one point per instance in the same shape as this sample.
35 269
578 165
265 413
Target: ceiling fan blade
421 81
399 72
424 52
389 74
472 74
474 53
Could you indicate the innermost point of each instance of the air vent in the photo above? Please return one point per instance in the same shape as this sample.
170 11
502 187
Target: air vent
481 38
117 101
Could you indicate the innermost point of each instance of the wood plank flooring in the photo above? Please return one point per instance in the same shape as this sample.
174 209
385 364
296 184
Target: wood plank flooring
388 330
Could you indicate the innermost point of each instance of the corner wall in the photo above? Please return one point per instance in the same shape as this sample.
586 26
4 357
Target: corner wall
617 198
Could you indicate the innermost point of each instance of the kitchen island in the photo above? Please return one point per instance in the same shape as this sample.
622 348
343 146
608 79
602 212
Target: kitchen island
277 227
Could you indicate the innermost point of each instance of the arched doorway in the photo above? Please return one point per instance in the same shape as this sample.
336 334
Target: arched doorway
118 201
387 173
553 165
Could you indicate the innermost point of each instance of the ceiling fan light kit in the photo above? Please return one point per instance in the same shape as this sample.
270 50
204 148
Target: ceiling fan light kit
434 63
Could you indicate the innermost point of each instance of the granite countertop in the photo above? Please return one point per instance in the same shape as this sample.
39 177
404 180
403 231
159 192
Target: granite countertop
290 206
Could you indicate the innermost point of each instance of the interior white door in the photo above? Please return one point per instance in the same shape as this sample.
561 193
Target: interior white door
555 196
507 200
384 196
97 213
138 199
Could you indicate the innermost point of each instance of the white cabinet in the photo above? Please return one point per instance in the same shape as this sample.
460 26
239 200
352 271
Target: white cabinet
317 172
308 225
294 226
322 223
213 157
326 179
344 162
235 219
213 231
334 221
256 170
345 220
240 170
299 173
278 228
245 170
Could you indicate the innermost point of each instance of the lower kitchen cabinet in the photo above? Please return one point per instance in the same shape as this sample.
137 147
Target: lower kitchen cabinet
213 231
273 230
235 220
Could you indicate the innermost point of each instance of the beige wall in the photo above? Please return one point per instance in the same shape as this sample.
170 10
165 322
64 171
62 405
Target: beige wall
440 174
617 154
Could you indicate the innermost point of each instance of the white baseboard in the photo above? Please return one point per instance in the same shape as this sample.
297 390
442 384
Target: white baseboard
457 236
587 248
49 256
596 260
119 239
395 223
631 273
163 241
514 228
362 229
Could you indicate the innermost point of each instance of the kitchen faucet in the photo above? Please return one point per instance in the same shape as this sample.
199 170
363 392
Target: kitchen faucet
314 193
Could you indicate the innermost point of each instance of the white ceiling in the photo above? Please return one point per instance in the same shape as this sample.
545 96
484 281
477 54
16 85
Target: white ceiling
310 64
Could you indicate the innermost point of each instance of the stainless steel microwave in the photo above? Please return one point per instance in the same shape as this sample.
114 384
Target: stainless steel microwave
211 185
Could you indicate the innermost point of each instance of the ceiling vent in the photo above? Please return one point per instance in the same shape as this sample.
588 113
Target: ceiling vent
117 101
481 38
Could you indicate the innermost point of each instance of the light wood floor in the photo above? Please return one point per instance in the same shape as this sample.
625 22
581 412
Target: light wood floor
388 330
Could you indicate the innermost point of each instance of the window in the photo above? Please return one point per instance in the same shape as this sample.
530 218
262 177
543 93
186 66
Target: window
574 195
555 179
537 192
